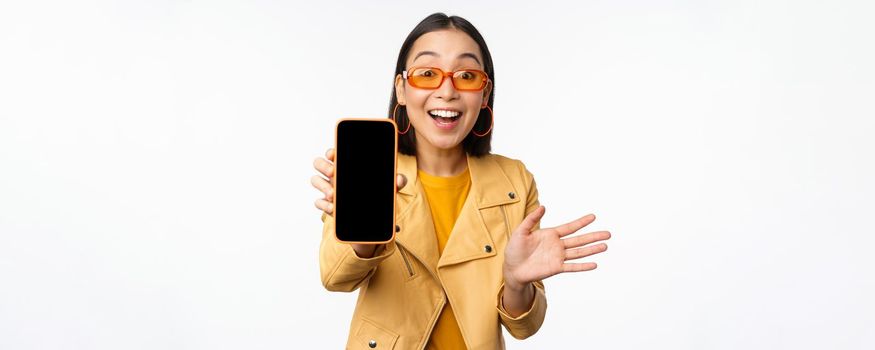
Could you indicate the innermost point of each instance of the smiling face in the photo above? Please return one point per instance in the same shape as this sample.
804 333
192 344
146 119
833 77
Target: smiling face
442 117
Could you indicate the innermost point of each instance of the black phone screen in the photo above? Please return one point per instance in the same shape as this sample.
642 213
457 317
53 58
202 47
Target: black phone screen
364 196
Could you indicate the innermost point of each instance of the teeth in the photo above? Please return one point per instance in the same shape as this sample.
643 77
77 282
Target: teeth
444 113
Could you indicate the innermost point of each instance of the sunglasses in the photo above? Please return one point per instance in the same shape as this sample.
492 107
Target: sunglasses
432 78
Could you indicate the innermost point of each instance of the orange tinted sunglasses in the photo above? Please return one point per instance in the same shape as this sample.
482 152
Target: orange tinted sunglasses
432 78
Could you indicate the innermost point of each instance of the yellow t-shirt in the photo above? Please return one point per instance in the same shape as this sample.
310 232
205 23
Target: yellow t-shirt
445 196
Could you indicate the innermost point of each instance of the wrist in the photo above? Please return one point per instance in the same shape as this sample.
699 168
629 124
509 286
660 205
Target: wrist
365 250
513 285
517 287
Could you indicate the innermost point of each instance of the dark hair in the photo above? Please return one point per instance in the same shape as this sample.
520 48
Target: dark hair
472 144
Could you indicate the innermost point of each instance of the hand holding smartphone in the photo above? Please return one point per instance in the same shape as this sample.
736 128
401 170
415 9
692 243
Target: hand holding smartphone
365 180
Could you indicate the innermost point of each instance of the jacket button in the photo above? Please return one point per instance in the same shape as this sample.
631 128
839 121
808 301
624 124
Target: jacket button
372 344
488 248
397 228
511 195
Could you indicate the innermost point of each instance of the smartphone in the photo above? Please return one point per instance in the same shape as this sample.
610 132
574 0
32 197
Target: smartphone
365 166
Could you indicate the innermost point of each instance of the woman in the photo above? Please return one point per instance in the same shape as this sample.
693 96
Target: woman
468 254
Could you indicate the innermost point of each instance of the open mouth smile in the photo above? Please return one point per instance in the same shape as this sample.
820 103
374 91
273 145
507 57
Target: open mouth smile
445 118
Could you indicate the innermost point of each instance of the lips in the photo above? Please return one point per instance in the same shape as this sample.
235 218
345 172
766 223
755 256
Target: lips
445 118
445 115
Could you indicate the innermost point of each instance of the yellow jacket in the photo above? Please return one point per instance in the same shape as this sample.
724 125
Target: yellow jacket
405 285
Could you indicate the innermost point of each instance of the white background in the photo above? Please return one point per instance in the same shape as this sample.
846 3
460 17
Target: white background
155 159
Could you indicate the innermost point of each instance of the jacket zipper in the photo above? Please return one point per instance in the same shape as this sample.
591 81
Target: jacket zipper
406 262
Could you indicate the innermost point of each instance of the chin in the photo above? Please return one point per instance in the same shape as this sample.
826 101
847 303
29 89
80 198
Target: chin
446 141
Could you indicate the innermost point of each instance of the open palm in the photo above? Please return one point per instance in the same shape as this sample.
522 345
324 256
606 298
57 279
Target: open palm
535 255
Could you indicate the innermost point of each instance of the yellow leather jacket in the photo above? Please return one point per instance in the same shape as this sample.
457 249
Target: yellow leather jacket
405 285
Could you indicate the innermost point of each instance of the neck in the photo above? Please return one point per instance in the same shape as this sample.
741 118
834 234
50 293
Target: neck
440 162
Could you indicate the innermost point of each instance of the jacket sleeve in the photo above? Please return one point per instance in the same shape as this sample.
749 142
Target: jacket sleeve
527 323
342 270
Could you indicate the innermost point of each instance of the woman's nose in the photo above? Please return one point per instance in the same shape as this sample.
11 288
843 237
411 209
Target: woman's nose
447 91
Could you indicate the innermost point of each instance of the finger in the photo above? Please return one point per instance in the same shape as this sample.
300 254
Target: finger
531 220
322 185
401 181
588 238
325 206
578 267
330 154
325 167
585 251
575 225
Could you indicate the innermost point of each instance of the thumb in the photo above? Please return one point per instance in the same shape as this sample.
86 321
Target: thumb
531 220
401 181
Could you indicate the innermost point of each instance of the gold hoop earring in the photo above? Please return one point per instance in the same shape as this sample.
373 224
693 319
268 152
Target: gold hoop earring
491 123
396 119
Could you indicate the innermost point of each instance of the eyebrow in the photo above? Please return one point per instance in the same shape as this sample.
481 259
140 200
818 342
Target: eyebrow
432 53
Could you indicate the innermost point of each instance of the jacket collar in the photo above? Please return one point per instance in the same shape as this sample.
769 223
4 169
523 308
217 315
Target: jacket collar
490 187
489 184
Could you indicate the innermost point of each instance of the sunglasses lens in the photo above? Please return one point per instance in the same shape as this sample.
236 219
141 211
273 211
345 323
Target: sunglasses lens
431 78
469 80
428 78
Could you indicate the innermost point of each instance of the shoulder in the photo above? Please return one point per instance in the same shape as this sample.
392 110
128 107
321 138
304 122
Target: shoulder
515 169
